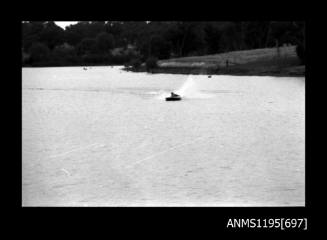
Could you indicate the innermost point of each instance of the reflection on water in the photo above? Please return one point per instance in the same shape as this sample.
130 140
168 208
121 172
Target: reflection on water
106 137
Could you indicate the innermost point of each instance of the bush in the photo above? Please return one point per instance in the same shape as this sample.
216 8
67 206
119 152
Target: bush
104 42
135 63
151 63
86 46
118 59
92 59
300 51
39 52
64 55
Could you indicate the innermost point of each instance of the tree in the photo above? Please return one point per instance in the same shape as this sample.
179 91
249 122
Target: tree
74 34
280 31
194 39
151 63
256 34
300 51
134 31
39 52
97 41
185 37
230 40
104 42
64 55
213 36
51 35
31 33
86 46
158 47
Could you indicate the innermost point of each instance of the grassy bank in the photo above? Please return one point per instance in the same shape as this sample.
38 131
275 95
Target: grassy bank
267 61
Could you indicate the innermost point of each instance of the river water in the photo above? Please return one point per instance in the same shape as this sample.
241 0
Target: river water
106 137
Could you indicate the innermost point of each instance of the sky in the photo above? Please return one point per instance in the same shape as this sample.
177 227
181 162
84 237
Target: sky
64 24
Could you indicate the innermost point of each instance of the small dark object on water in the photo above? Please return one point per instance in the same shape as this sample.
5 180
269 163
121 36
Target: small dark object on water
209 76
84 68
174 97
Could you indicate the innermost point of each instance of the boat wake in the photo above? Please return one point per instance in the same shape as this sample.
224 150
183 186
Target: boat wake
189 90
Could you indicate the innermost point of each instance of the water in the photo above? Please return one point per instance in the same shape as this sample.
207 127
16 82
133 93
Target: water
105 137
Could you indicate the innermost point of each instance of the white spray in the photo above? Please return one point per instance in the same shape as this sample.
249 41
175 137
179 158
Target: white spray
190 90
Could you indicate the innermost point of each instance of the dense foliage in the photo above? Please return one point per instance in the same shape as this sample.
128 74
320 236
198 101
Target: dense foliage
113 42
300 50
151 63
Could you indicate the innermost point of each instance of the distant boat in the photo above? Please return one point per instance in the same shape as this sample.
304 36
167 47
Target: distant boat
174 97
84 68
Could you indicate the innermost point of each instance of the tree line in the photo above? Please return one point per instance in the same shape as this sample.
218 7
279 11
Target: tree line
123 42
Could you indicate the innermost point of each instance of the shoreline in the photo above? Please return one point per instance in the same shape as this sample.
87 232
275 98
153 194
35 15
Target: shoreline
296 71
281 61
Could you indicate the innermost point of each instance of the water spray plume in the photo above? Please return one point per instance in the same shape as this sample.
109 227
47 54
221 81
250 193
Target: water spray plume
190 90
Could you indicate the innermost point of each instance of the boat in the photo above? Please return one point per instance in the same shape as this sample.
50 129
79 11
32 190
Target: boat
174 97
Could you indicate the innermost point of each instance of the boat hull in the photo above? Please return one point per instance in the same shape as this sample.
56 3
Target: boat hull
173 98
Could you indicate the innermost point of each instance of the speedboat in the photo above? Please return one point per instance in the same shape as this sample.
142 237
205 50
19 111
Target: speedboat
174 97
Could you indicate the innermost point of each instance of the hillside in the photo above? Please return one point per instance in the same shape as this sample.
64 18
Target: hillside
266 61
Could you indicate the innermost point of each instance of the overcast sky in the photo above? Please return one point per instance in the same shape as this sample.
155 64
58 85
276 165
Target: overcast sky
64 24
